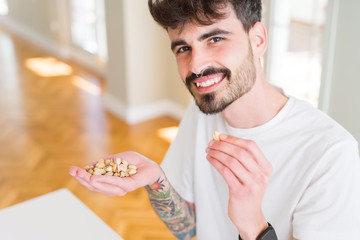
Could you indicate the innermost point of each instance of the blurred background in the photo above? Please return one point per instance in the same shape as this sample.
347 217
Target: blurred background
83 79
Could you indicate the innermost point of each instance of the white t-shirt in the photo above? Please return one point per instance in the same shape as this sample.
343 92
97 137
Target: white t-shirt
314 190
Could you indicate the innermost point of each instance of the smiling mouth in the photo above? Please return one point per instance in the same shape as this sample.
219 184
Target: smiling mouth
209 82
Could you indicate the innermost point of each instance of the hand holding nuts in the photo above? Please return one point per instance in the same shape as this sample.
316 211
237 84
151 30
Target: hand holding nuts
216 136
112 167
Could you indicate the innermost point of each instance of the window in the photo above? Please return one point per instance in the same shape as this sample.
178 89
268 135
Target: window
88 29
295 46
3 7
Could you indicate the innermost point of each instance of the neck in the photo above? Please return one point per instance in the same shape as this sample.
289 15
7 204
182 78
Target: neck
256 107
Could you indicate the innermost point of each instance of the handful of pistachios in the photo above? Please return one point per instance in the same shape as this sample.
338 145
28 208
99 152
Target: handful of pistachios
112 167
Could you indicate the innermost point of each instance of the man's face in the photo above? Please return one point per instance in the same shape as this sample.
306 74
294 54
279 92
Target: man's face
215 61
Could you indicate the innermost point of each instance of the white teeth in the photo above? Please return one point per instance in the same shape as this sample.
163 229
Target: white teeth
208 82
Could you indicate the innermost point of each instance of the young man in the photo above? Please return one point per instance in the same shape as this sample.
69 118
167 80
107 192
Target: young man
278 161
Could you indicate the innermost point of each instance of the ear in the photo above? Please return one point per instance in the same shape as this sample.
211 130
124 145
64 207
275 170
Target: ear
258 39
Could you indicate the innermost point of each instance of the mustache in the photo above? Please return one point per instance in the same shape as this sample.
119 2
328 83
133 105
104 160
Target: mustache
206 72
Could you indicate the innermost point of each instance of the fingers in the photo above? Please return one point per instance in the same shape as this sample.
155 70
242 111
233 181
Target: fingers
108 189
81 176
249 146
241 157
112 185
232 156
236 145
117 185
229 176
103 184
73 170
109 185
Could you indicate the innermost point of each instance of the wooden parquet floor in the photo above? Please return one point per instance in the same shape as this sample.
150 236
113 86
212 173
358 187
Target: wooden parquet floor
49 123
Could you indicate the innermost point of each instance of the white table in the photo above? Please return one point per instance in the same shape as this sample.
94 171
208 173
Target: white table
58 215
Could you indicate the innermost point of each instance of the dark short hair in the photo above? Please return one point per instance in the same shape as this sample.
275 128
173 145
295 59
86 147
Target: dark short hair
175 13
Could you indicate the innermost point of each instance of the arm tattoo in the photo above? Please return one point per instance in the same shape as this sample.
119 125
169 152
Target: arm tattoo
177 215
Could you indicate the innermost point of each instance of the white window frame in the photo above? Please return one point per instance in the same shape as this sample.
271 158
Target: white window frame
329 43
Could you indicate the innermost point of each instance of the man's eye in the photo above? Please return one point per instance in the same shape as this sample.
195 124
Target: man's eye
182 49
216 39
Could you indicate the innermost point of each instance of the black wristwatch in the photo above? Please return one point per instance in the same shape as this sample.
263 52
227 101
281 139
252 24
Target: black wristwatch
268 234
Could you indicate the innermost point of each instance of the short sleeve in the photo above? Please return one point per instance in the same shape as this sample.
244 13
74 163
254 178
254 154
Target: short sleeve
330 206
178 164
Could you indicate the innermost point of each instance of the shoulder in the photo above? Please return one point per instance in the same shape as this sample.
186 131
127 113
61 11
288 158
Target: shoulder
318 137
317 123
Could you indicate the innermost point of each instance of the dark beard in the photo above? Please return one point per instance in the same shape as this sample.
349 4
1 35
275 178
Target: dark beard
208 105
237 85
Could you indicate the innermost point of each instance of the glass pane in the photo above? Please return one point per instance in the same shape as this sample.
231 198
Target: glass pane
295 47
83 23
88 26
3 7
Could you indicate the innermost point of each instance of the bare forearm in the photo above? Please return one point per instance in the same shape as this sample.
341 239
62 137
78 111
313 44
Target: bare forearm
178 216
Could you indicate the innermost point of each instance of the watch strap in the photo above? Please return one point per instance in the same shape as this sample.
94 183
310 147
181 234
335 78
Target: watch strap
268 234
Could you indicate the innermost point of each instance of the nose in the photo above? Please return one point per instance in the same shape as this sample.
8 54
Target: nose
199 61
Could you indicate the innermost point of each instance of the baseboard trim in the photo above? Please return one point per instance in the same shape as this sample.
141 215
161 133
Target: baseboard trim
65 52
32 36
137 114
133 114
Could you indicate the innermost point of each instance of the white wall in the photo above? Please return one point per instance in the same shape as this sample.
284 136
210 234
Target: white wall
45 23
142 73
116 66
31 19
32 13
142 77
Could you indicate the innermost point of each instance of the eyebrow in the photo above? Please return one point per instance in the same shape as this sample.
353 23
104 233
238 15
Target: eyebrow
177 43
213 33
201 38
